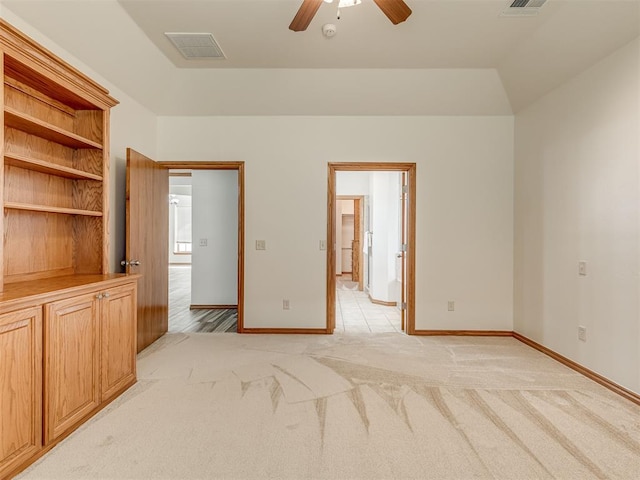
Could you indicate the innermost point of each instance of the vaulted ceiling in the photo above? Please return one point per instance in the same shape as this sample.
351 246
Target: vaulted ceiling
451 57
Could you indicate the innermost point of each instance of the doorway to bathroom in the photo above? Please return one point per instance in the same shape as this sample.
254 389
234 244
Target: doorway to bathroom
371 254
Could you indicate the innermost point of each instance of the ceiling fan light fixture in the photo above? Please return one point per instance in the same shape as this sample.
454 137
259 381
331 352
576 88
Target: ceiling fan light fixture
348 3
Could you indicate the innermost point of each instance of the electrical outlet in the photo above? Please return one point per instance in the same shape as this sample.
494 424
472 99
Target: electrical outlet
582 268
451 305
261 245
203 242
285 304
582 333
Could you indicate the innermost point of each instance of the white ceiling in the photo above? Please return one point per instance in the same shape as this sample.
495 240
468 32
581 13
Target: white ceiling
450 57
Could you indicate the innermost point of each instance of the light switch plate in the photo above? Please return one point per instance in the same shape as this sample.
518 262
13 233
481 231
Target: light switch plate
582 268
261 245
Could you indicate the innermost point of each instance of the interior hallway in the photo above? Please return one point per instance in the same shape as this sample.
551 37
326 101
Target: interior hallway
355 313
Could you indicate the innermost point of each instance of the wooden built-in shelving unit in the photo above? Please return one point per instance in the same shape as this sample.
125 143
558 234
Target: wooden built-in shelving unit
65 321
34 126
50 168
55 165
49 209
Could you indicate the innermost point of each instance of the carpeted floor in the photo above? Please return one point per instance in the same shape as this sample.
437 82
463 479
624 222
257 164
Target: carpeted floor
382 406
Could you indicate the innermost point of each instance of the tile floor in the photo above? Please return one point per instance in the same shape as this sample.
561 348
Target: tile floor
355 313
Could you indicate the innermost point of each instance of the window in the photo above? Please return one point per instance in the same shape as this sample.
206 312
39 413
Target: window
181 225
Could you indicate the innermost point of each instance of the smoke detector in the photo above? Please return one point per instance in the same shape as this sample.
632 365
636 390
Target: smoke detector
328 30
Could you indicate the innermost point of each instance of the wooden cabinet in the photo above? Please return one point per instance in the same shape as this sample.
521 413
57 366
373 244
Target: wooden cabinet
118 340
72 363
67 348
20 387
89 355
67 326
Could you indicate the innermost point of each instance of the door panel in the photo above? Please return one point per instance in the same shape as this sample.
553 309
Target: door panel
147 242
20 387
71 387
117 335
403 255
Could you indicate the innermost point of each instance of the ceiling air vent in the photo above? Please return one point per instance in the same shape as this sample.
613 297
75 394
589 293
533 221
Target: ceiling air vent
196 46
523 8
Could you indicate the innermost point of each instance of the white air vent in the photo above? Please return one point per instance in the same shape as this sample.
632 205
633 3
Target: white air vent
196 45
523 8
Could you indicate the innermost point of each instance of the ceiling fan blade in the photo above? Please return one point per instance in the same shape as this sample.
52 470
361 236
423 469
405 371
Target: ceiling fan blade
305 14
396 10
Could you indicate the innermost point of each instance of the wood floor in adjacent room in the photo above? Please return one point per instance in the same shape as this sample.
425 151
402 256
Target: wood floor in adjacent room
183 319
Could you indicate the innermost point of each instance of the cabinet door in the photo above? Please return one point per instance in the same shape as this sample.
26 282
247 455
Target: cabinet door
118 339
20 387
71 367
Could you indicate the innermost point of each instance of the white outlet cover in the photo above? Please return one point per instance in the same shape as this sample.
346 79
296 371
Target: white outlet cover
582 333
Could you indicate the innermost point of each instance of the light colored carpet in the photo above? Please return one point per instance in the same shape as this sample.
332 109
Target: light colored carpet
382 406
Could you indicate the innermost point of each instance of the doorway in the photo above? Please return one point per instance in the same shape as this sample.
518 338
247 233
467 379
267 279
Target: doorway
147 235
384 265
205 311
202 251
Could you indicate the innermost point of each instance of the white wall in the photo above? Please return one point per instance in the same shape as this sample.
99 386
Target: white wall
352 183
385 197
577 199
464 207
132 125
214 269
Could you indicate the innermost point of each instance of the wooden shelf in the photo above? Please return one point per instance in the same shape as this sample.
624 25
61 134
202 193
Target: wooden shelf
26 123
43 166
49 209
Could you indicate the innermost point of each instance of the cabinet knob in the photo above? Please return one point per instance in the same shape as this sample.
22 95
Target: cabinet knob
130 263
99 296
106 295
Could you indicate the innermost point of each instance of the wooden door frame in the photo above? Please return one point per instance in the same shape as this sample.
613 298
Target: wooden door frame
239 166
360 216
410 169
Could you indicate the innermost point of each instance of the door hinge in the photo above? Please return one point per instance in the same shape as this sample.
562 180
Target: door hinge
403 306
403 247
405 188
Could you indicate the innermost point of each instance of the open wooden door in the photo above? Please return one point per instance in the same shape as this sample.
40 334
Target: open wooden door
404 206
147 243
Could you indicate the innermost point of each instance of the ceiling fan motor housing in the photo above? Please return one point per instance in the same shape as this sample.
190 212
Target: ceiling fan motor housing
328 30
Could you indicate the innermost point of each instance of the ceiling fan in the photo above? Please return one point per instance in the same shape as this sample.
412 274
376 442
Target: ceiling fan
396 10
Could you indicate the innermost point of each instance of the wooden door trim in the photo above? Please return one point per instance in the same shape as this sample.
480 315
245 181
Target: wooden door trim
410 169
239 166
